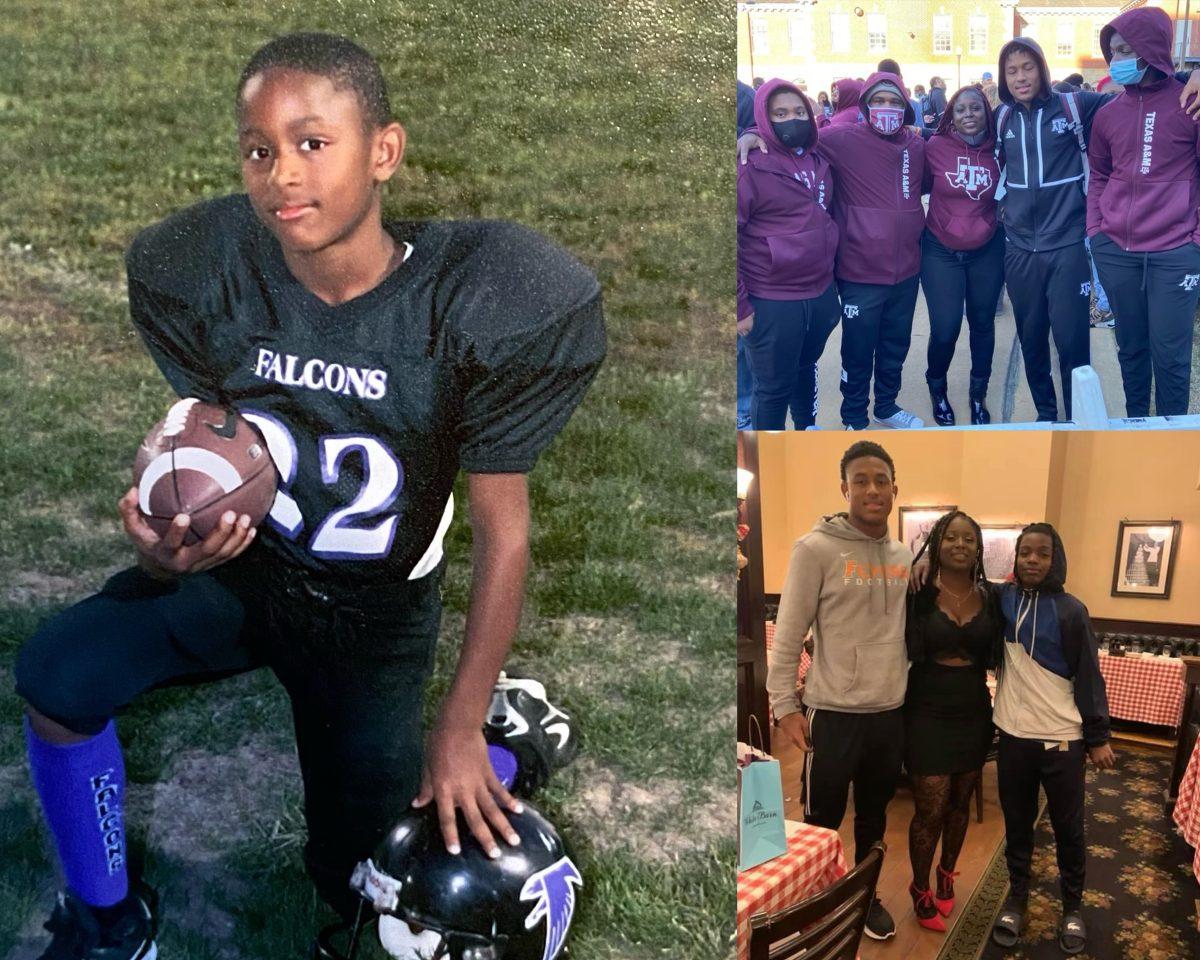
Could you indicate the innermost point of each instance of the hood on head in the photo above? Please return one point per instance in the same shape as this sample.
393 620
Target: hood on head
762 119
1149 31
1056 578
946 124
848 90
1030 46
873 81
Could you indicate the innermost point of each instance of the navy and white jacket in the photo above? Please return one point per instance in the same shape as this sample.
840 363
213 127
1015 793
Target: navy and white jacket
1049 682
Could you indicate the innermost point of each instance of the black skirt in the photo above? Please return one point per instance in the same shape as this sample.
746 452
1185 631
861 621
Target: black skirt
947 719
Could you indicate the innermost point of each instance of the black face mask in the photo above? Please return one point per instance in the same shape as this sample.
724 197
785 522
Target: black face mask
793 133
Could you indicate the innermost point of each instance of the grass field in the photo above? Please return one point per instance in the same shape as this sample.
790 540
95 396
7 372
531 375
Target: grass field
607 126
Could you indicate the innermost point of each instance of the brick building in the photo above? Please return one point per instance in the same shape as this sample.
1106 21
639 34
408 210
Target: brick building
814 42
818 42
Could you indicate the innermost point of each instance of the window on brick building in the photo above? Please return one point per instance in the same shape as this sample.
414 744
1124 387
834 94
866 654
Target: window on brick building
978 35
798 32
759 34
876 32
839 33
943 33
1065 44
1097 26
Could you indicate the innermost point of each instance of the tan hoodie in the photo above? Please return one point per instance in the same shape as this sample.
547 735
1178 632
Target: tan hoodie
850 590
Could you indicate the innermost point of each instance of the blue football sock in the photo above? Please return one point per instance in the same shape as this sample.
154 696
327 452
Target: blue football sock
82 789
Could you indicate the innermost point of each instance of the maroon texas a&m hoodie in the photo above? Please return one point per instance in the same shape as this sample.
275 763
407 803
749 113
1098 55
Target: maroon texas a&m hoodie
961 182
1145 188
786 238
879 181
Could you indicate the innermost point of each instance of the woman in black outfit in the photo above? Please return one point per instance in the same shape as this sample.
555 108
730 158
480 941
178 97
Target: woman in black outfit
953 633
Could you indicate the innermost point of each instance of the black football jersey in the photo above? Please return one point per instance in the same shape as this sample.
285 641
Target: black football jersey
472 354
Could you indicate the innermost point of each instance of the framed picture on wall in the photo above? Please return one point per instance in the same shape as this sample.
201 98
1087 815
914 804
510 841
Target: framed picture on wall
1000 549
1145 558
916 522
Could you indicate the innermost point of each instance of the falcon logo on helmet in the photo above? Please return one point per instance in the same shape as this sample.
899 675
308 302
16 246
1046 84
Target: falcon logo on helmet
555 901
433 903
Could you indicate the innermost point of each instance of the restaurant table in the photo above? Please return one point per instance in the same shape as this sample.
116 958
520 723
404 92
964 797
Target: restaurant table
814 860
805 659
1146 689
1187 807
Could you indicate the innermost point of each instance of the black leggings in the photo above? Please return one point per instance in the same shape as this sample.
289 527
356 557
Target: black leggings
353 664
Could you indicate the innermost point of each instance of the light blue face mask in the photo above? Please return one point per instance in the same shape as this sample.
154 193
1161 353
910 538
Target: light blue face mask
1126 72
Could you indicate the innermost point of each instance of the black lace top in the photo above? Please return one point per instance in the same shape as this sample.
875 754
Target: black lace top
932 635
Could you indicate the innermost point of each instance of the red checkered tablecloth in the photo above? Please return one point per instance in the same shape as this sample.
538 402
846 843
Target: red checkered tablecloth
1187 807
805 659
1144 689
813 861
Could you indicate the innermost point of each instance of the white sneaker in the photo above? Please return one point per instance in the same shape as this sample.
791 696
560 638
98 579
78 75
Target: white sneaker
901 420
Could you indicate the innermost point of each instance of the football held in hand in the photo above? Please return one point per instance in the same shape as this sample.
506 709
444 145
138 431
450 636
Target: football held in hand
203 461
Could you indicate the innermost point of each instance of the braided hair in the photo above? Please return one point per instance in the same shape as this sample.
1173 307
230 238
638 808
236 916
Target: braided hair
933 544
922 603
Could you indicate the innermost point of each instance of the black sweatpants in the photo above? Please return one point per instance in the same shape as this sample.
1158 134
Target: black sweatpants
951 280
1023 766
785 343
1050 293
876 332
1153 298
864 749
353 662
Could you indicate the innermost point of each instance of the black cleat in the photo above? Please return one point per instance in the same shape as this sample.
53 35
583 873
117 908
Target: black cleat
123 932
541 736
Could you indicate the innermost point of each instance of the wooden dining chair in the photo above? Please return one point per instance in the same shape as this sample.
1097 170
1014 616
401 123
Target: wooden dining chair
992 754
826 926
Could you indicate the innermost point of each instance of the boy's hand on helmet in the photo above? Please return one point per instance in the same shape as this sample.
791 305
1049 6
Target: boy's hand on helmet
458 775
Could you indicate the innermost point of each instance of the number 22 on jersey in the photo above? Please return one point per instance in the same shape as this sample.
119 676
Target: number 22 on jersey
343 535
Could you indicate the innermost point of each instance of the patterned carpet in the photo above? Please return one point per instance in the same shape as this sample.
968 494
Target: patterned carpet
1140 902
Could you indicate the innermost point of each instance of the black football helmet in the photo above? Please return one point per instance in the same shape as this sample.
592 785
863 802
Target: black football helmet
434 905
541 736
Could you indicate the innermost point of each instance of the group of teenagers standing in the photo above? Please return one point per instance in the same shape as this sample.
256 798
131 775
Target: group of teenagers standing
898 676
831 225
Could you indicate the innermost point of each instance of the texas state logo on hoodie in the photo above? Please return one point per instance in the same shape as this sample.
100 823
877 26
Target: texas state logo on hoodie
1144 187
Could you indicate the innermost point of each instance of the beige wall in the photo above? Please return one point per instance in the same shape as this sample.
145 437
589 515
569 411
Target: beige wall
1083 483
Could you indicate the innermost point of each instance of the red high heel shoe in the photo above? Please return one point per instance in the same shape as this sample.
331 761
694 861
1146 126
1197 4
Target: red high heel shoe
923 903
945 906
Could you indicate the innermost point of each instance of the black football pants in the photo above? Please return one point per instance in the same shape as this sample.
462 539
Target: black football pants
353 663
864 749
1050 291
1153 298
1022 766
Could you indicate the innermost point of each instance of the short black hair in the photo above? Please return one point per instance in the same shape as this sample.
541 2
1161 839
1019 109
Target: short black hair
867 448
888 65
342 61
1075 79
